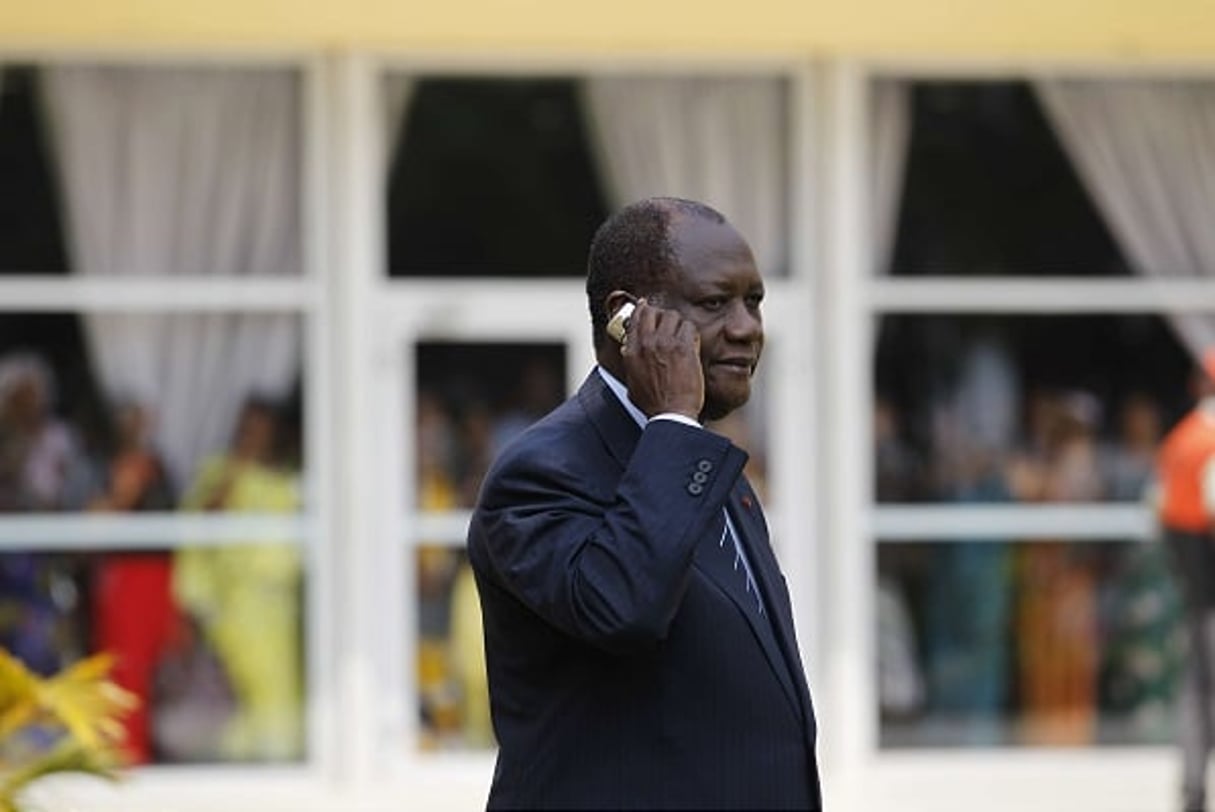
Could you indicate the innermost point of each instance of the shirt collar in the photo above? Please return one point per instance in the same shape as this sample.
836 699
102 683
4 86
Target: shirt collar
622 394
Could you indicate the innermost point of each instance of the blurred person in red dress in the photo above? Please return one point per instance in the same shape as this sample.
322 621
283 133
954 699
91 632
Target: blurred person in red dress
135 617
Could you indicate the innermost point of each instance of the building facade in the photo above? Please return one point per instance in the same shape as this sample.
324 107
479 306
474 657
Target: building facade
983 234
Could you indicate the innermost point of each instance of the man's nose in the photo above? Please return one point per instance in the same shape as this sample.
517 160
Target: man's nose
744 323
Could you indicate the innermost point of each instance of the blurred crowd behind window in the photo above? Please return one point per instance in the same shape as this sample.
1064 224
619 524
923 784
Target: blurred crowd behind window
213 687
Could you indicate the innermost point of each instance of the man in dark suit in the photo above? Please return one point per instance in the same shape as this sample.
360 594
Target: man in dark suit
638 632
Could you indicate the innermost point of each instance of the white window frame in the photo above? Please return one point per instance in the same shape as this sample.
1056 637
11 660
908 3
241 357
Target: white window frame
302 295
404 311
997 778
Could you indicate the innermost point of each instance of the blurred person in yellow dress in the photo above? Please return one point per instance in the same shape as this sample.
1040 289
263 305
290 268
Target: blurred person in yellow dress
468 659
436 565
245 597
454 695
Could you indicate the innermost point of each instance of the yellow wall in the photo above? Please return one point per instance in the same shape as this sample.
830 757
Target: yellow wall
1101 29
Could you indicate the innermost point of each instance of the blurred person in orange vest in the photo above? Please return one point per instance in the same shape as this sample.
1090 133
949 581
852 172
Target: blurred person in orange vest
1185 503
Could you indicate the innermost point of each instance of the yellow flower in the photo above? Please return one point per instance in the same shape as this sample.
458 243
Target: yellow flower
81 701
18 694
84 700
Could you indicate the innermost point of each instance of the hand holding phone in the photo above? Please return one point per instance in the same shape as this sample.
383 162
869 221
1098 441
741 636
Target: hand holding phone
661 354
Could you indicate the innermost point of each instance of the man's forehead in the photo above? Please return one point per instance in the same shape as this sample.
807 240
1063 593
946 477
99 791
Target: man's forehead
691 225
700 243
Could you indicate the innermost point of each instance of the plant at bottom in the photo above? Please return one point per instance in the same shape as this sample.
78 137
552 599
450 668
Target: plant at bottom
68 722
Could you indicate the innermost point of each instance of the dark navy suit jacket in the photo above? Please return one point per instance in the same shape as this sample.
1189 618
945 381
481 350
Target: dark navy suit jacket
628 667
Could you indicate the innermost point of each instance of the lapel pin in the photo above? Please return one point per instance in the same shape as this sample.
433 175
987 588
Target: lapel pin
747 501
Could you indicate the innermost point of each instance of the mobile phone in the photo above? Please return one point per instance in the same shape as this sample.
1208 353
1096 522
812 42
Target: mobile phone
618 324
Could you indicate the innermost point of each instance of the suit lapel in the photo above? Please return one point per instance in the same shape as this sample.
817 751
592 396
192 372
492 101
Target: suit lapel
748 520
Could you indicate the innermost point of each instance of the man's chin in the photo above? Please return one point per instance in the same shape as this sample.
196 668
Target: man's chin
720 404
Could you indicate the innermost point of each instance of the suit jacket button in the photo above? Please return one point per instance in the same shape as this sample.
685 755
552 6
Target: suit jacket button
701 477
704 466
695 488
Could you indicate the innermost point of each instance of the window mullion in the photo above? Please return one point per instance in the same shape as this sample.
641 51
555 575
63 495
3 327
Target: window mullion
90 531
1013 522
29 293
1034 295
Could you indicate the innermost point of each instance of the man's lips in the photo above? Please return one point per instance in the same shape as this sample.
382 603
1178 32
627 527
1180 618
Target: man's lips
744 364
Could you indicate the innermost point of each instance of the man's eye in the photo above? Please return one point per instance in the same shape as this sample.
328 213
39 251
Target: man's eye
713 303
754 300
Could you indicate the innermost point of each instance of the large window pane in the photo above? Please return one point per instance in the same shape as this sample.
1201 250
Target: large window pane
1038 642
209 638
1023 408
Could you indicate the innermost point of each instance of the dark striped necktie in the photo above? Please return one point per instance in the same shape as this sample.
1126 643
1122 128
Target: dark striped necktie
742 567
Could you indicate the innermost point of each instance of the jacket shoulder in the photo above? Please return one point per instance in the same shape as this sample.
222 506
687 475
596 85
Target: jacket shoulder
563 443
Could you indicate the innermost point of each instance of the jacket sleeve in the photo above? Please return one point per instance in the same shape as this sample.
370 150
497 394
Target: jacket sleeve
609 568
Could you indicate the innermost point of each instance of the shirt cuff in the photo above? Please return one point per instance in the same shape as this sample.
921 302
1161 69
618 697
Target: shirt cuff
677 417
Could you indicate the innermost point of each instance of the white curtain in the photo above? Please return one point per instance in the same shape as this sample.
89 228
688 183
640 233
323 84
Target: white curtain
890 135
722 141
1145 151
183 172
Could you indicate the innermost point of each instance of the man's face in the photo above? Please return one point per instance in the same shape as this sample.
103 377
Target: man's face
719 289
